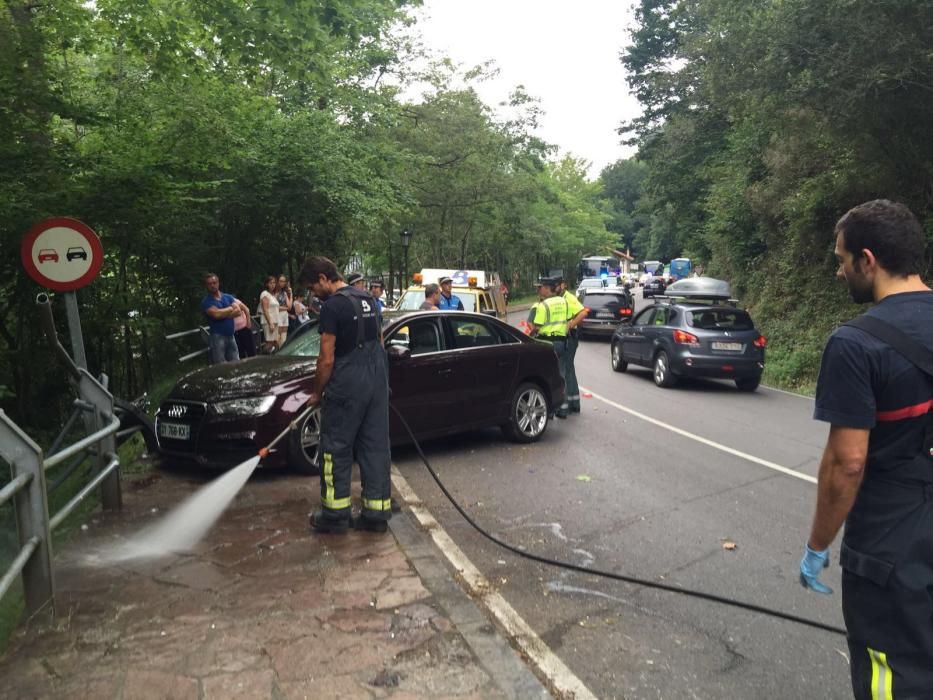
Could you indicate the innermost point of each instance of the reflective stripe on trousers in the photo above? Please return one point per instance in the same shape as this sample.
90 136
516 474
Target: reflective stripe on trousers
882 678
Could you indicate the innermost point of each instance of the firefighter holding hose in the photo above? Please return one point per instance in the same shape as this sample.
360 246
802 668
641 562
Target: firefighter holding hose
351 385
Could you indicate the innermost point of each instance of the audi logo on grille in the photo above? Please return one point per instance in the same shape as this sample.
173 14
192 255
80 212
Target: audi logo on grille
176 411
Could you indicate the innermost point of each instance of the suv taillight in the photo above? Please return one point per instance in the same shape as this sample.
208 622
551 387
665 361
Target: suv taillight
625 311
760 341
684 338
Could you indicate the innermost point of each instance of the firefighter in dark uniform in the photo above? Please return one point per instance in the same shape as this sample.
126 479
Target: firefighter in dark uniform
351 383
876 473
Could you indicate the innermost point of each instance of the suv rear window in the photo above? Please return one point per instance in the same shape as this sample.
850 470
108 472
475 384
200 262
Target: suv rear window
597 302
726 319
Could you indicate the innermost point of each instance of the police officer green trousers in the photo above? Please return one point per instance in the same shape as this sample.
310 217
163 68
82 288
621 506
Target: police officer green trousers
570 374
559 343
355 417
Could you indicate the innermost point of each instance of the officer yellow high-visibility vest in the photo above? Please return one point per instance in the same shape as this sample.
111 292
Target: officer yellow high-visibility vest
552 315
573 304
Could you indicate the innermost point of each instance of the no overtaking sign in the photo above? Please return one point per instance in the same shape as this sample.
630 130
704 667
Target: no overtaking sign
62 254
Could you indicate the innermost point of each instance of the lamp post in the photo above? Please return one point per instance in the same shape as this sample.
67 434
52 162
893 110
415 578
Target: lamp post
406 241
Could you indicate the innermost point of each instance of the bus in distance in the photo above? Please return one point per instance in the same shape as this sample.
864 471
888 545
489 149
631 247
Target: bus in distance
681 268
651 266
599 266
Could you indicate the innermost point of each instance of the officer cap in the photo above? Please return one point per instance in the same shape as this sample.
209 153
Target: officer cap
445 279
376 283
354 278
547 282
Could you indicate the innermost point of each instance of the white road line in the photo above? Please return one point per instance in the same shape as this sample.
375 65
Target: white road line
532 646
705 441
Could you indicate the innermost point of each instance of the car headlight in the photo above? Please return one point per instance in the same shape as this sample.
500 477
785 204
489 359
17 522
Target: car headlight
247 406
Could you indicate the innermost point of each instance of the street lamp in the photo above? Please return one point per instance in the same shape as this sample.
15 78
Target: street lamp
406 241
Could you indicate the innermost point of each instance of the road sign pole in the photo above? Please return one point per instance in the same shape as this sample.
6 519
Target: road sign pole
74 329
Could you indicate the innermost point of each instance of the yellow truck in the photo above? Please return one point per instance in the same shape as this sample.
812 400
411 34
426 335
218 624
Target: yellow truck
479 291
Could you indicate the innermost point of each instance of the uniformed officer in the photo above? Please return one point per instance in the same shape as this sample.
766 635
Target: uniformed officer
351 383
551 316
876 473
577 312
449 301
357 280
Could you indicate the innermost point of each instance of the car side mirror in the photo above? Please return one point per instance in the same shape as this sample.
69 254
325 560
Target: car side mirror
397 353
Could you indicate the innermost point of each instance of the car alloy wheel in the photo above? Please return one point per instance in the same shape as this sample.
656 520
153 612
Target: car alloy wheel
663 376
618 364
528 414
305 444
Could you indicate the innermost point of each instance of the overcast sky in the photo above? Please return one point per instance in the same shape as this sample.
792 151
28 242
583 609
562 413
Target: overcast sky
565 53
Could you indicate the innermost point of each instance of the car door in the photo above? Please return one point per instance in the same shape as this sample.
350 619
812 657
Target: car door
421 379
486 366
633 336
654 332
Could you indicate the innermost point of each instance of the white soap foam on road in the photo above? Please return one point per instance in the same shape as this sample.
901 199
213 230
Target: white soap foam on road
705 441
183 527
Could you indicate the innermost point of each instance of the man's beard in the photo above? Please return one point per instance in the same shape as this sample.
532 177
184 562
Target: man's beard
860 289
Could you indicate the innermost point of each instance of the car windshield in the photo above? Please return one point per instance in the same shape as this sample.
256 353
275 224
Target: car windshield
307 344
725 319
597 302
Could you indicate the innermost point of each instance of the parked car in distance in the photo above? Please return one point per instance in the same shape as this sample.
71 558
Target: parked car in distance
695 332
47 255
608 308
449 372
654 286
589 283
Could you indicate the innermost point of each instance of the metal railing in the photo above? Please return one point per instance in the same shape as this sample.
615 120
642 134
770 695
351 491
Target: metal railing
27 487
205 334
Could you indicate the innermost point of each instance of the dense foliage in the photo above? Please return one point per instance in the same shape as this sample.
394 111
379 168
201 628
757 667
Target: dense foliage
763 122
239 137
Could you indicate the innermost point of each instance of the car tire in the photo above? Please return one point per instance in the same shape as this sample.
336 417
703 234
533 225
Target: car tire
748 384
304 444
661 371
529 411
615 357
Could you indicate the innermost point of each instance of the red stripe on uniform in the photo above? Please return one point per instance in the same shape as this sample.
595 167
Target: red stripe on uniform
919 409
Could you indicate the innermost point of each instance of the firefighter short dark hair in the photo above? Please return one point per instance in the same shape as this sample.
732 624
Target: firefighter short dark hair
889 230
316 266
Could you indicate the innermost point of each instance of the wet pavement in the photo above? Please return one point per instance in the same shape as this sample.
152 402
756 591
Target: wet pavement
261 609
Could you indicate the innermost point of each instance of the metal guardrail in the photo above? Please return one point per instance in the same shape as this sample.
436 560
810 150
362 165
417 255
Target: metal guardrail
27 487
204 332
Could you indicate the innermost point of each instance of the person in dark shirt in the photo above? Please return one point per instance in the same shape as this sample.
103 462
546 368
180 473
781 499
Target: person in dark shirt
351 384
876 473
221 309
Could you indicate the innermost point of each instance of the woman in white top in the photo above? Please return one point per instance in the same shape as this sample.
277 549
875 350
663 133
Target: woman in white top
269 315
283 295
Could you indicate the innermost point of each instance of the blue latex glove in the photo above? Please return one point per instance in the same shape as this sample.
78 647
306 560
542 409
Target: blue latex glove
811 566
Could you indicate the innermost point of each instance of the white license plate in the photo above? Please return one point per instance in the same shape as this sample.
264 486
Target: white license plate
175 431
732 347
605 314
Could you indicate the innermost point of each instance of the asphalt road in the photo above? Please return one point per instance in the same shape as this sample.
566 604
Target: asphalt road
609 490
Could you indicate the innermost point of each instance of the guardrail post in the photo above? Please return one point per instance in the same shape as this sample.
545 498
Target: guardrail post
32 513
94 393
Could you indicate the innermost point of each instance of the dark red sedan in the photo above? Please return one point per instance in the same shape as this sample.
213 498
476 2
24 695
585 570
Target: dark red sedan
449 372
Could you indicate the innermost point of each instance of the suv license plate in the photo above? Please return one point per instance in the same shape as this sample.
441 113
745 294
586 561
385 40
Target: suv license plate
175 431
732 347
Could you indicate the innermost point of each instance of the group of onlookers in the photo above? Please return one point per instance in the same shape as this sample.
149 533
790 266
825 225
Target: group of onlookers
281 311
230 322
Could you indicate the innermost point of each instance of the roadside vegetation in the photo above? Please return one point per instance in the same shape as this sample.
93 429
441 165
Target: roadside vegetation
763 123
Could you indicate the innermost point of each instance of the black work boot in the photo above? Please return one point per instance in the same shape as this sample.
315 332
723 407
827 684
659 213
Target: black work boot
574 406
370 525
325 523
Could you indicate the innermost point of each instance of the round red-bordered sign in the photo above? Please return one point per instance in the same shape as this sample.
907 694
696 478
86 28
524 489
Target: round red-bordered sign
62 254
